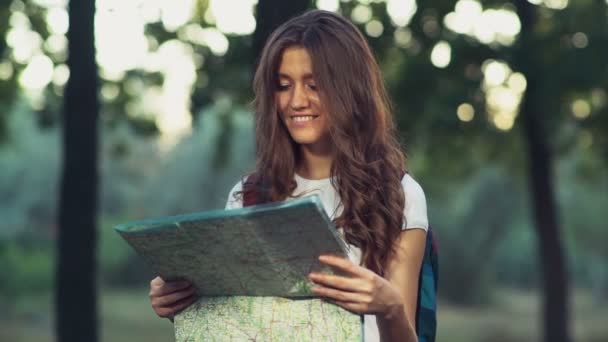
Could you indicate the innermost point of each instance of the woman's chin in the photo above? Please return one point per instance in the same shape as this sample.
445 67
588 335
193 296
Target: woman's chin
314 141
306 140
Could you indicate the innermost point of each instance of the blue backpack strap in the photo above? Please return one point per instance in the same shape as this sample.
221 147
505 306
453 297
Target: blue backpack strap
426 311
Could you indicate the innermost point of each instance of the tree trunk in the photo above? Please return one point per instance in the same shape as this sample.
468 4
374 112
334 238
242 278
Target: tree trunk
75 296
540 167
269 15
551 251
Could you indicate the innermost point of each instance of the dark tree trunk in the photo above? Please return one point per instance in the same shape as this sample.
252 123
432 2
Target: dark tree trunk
76 305
551 251
8 90
555 284
269 15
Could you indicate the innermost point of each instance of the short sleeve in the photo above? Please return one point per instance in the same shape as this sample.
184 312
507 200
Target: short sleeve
414 213
235 201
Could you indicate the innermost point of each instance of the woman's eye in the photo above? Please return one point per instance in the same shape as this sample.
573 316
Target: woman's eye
282 87
312 87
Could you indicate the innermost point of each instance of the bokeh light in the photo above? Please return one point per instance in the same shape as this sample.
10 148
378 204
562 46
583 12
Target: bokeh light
56 44
109 91
401 11
402 37
210 37
374 28
504 91
176 13
233 17
57 20
556 4
61 74
580 40
361 14
581 109
328 5
553 4
465 112
6 70
490 26
23 42
123 46
495 72
441 55
517 82
504 121
37 74
120 39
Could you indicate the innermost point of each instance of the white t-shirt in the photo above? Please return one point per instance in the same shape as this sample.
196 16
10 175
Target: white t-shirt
415 216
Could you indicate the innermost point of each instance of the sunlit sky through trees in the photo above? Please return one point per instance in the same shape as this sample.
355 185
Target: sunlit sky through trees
123 46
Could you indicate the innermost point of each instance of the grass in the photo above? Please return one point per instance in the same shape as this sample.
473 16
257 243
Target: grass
126 316
515 317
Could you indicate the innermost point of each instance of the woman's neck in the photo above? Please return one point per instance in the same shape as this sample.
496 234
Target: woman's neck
315 163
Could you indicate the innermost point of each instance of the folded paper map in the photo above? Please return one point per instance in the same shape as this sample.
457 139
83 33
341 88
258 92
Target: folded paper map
266 319
250 267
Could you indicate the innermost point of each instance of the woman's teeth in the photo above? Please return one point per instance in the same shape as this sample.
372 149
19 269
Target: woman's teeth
303 118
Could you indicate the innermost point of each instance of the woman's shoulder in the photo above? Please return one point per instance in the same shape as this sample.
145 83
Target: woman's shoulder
415 210
235 198
411 187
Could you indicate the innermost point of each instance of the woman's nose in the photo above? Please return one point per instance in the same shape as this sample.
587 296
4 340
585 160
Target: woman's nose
299 99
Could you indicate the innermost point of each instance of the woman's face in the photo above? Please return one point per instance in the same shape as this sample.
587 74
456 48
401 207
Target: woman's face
299 102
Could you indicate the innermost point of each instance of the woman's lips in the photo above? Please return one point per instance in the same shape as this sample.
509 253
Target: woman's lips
302 120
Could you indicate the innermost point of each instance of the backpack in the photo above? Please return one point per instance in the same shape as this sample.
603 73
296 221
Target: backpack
426 309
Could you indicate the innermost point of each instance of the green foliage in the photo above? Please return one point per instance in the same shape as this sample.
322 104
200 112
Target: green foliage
27 268
27 194
113 254
470 224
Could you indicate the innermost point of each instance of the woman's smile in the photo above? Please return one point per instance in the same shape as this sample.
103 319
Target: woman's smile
302 120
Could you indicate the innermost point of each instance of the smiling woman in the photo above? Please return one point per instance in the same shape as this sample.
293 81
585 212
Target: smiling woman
298 99
324 127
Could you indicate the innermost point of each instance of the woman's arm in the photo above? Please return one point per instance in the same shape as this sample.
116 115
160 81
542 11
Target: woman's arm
391 299
402 272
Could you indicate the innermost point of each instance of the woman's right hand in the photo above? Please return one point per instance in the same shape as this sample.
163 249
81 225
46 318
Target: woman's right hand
171 297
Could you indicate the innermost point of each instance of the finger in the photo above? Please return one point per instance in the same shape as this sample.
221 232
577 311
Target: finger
157 282
170 311
339 295
168 287
182 304
339 282
172 298
352 307
343 264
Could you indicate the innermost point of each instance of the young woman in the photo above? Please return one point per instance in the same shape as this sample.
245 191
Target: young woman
324 126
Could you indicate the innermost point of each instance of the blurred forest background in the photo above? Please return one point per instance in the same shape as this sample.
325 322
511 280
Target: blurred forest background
502 107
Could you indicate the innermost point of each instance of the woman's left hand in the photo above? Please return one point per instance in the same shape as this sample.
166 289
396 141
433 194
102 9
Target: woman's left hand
364 292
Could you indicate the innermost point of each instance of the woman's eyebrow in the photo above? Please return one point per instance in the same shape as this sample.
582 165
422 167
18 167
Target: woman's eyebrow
305 76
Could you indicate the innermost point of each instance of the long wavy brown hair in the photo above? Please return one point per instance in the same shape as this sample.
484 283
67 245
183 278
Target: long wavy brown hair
368 164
